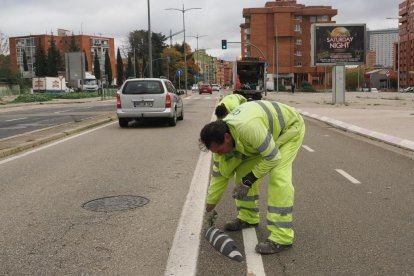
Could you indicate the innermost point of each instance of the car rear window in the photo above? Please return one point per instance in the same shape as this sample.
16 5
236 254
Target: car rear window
143 87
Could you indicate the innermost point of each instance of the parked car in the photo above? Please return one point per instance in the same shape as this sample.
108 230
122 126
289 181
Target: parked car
215 87
140 99
194 88
205 88
374 90
408 90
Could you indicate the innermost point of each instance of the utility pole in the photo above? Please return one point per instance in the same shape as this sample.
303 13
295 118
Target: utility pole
185 55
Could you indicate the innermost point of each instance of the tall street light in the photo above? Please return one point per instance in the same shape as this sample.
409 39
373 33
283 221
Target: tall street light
149 40
185 56
398 53
197 37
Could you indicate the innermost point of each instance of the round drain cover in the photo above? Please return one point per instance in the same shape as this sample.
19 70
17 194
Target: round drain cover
115 203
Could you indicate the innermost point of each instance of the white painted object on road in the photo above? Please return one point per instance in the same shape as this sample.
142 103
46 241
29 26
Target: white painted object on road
307 148
223 243
254 260
348 176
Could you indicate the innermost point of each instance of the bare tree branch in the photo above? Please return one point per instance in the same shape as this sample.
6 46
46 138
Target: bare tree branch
4 44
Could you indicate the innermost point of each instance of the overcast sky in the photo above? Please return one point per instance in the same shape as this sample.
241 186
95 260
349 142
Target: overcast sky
217 19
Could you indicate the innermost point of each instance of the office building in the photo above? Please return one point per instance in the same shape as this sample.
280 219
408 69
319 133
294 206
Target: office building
406 44
87 43
282 30
382 42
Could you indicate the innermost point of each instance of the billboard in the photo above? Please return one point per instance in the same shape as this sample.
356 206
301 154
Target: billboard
338 44
75 65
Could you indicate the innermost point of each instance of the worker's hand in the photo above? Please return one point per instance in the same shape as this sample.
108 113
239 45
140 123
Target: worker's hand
210 207
240 191
211 217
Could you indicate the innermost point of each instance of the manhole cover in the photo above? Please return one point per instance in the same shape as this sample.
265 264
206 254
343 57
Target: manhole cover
115 203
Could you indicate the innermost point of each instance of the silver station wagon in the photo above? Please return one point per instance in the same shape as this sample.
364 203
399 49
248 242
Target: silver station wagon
140 99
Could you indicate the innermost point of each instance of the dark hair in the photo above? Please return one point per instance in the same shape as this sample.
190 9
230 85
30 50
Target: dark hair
221 111
213 133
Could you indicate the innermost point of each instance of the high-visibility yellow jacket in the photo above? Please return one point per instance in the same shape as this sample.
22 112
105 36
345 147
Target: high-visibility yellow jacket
258 128
232 101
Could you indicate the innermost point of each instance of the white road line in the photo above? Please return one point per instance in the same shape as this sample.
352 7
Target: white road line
51 144
62 111
347 176
307 148
183 256
253 260
11 120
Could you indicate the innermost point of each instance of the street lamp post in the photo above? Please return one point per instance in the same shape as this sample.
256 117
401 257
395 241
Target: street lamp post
185 56
398 53
149 40
197 37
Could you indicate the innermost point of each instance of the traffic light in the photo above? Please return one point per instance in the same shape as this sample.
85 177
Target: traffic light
223 44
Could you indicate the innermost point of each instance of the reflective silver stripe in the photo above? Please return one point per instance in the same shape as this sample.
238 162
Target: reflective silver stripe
266 143
216 174
272 154
280 224
216 163
250 198
256 210
280 210
269 115
279 115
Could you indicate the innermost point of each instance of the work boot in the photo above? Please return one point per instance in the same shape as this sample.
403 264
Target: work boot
238 224
270 247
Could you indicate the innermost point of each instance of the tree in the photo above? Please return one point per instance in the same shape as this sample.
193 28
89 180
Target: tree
119 68
25 67
108 67
96 66
138 40
40 63
4 44
86 61
73 47
52 59
130 69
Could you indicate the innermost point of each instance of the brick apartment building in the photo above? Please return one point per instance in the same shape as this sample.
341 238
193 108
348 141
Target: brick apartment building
282 30
63 39
406 51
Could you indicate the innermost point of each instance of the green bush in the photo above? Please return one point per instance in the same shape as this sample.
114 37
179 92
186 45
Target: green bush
307 87
44 97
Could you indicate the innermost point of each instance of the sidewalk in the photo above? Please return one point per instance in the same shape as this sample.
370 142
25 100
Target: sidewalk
387 117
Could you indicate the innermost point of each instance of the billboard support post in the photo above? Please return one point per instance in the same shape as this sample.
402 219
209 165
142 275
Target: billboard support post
338 84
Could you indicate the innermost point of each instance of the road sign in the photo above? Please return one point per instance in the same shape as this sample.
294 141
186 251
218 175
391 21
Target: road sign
387 73
179 72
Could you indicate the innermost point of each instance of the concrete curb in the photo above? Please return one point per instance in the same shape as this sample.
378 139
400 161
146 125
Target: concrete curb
55 136
389 139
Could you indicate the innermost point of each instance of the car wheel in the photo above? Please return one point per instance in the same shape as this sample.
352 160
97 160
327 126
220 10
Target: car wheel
123 122
182 115
173 121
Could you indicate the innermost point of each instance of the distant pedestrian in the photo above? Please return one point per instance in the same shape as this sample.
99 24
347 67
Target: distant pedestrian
293 88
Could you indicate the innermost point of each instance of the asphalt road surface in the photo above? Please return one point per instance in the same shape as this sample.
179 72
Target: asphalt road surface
353 209
26 119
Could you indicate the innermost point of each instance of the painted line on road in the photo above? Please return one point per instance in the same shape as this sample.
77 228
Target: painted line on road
17 119
348 176
183 256
52 144
253 260
62 111
307 148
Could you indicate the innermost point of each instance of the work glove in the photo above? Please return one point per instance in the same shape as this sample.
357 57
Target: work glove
241 190
211 217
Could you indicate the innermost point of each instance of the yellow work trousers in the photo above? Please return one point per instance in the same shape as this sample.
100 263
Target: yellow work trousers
280 194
